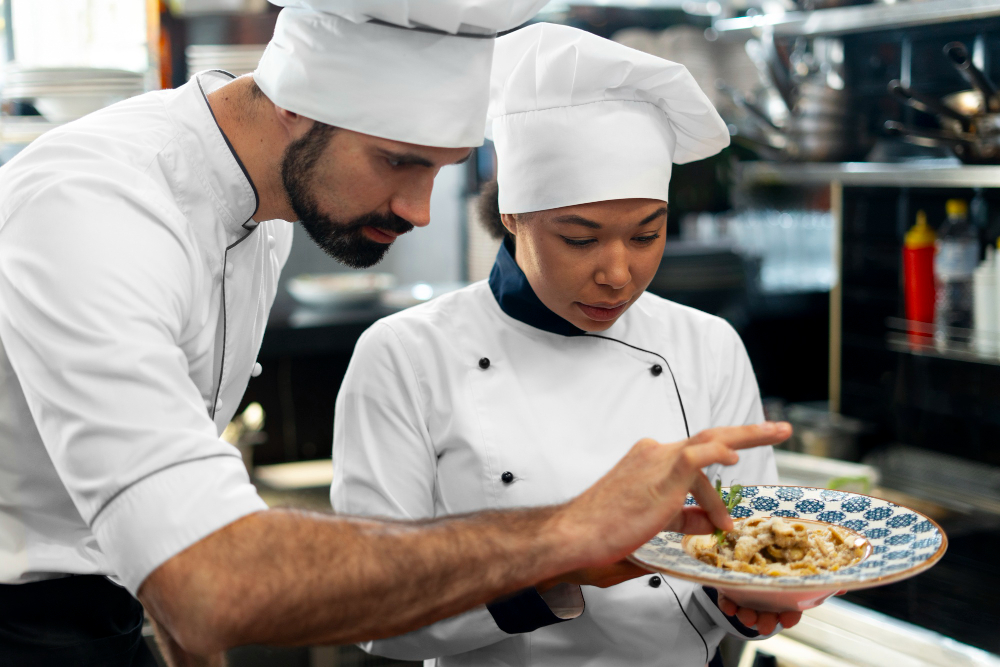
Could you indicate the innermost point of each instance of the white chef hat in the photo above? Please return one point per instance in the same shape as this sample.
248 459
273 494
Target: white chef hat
577 119
409 70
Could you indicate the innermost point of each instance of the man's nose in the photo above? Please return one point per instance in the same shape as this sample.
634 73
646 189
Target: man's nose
414 203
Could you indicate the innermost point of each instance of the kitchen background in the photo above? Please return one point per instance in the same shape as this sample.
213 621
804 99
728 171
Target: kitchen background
850 120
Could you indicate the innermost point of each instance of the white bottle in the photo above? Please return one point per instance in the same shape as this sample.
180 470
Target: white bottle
985 306
996 288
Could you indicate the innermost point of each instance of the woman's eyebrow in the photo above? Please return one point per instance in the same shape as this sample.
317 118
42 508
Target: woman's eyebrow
578 220
653 216
590 224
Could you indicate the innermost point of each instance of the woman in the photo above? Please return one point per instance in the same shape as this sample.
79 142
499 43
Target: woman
524 389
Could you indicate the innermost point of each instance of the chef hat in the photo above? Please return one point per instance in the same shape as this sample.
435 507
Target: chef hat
577 118
409 70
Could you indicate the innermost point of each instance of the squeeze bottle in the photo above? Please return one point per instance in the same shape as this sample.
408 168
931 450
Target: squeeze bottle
918 275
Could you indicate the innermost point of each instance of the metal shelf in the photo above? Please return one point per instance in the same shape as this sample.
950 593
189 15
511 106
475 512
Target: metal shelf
865 18
918 338
926 174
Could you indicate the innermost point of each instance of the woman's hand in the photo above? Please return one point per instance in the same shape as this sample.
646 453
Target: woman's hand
601 577
765 621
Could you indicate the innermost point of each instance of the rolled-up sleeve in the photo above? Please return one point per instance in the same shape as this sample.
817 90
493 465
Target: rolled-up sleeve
98 289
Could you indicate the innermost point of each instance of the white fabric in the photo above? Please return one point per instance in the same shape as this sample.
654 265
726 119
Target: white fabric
117 342
473 16
326 62
422 431
577 118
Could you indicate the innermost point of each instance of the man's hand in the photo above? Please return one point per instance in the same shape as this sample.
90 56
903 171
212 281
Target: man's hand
764 621
645 493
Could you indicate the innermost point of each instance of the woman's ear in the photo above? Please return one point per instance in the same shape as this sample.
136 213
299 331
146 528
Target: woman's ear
509 222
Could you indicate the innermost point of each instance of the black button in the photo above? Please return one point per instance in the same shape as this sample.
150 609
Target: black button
655 582
484 363
508 476
656 370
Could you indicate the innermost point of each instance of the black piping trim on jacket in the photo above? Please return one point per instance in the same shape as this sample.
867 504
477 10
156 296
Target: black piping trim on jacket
246 174
225 321
435 31
128 486
665 362
693 626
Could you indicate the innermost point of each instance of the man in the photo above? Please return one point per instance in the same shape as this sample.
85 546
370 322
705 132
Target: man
140 249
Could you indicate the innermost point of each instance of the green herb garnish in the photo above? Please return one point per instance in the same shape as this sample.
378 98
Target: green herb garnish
735 498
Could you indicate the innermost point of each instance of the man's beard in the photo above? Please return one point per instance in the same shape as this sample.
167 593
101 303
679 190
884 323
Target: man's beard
342 240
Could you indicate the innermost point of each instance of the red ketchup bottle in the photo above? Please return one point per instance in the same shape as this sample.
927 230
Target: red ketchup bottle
918 280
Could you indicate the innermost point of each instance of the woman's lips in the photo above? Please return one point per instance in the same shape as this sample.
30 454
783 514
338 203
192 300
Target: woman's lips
602 312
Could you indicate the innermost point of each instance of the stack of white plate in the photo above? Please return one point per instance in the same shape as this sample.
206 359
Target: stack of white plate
62 94
236 59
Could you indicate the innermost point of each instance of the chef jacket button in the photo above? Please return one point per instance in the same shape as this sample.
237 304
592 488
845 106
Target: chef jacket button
484 363
655 582
218 405
270 241
507 477
656 370
229 269
257 370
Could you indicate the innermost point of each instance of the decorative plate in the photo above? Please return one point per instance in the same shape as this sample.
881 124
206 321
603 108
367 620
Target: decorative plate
903 542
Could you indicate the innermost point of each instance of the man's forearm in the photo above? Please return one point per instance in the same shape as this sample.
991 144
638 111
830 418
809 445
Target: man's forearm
285 577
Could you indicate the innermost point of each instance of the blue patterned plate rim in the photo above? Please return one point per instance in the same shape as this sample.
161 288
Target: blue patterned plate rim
904 542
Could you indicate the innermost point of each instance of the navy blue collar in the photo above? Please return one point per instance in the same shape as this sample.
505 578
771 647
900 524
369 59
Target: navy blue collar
516 298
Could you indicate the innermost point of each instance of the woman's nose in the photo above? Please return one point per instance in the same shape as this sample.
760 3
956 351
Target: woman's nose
614 271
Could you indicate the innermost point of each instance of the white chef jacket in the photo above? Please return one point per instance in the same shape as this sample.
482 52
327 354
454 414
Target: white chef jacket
134 290
441 401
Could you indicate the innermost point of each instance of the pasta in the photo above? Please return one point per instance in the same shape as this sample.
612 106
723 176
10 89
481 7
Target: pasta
775 547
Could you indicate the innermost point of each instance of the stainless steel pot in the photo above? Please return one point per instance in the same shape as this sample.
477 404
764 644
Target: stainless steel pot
821 123
821 128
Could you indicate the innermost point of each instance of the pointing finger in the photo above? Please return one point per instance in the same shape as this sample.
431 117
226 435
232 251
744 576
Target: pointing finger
744 437
709 500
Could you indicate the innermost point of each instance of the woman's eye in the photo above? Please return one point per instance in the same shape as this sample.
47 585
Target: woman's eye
647 239
578 243
393 163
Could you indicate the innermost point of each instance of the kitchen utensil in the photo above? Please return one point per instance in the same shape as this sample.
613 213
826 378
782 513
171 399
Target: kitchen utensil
821 123
821 127
969 119
959 57
904 543
819 432
928 104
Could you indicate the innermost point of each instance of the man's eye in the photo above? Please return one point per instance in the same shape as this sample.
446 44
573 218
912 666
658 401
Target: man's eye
578 243
392 162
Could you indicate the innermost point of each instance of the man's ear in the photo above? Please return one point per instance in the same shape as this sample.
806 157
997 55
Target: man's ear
509 222
295 125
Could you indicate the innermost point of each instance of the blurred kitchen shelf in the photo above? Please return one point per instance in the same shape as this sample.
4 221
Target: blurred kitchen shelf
925 174
948 481
959 346
858 19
